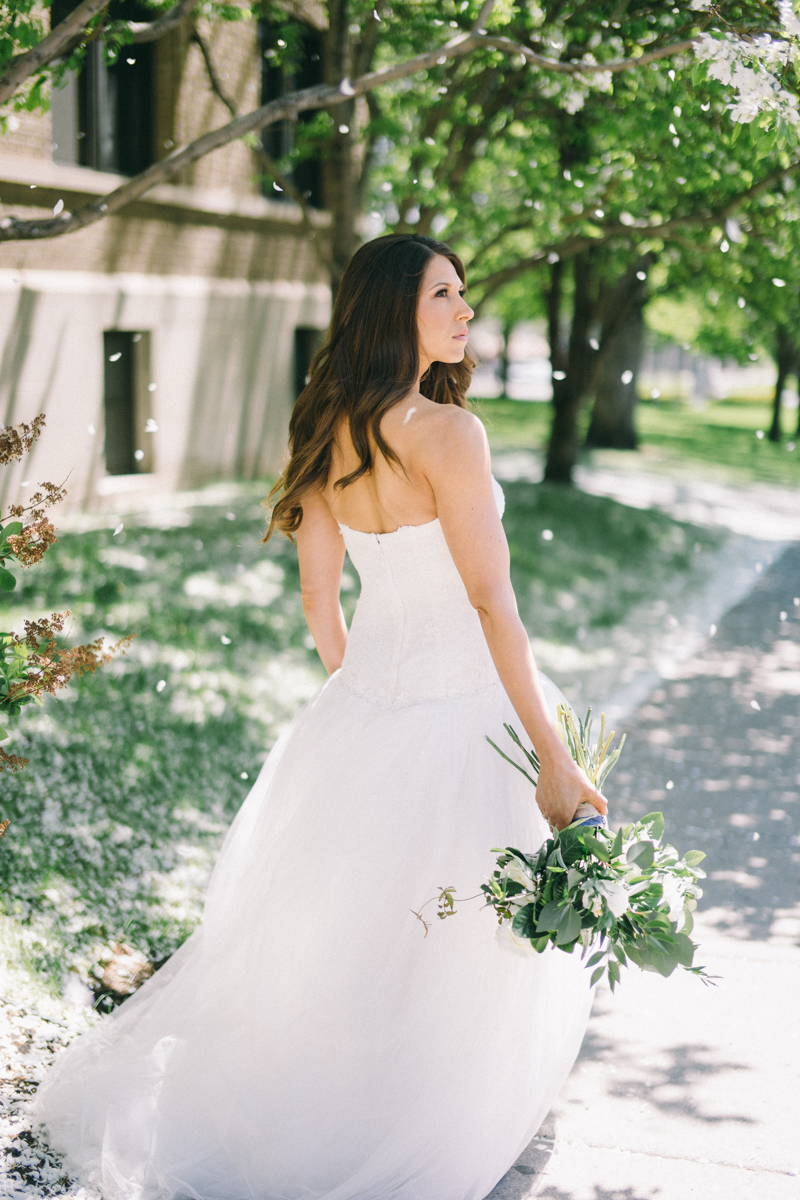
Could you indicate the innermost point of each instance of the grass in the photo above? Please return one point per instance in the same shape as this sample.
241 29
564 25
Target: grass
721 437
135 775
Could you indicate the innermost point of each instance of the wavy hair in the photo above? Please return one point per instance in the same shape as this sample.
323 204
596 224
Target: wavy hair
368 363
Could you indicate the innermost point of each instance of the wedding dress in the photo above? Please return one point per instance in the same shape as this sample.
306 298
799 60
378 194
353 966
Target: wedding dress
310 1041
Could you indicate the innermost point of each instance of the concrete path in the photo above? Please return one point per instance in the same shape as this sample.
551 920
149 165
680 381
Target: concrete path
683 1090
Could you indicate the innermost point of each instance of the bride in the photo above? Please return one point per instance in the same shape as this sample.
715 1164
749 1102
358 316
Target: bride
310 1041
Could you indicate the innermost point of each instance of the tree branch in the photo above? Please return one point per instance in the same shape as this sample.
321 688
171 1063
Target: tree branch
579 68
22 66
667 229
285 184
287 108
151 31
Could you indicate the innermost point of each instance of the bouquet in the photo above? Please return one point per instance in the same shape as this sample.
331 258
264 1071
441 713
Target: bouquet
628 896
623 898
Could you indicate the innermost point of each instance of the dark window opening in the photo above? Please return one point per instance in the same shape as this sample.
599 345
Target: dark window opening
126 396
304 70
115 104
306 344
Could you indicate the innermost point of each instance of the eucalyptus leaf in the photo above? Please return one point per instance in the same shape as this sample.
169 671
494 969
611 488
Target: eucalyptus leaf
571 928
524 923
641 853
655 821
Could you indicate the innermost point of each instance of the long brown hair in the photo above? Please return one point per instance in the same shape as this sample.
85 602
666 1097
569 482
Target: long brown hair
368 364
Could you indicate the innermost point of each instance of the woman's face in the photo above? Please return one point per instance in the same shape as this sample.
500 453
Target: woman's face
442 314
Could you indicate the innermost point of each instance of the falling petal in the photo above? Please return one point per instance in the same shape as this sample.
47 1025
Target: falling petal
162 683
226 641
779 282
346 88
58 208
547 535
244 775
626 377
119 529
277 189
115 357
754 704
670 785
150 426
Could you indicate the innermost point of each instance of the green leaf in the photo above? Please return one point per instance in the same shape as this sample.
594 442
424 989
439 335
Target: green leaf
688 920
655 822
7 581
693 858
616 847
550 917
571 929
641 853
596 973
524 923
3 734
596 847
521 770
684 949
574 876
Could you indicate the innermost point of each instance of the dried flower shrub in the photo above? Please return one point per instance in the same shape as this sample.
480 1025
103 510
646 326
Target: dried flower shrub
37 662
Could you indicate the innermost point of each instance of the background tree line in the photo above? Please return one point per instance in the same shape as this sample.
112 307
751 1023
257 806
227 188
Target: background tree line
581 158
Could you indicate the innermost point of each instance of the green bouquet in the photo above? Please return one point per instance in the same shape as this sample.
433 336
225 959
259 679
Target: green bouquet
628 896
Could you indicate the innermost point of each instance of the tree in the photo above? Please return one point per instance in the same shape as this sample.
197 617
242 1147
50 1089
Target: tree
448 127
577 185
751 297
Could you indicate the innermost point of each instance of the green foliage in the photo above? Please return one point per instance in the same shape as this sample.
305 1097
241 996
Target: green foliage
627 895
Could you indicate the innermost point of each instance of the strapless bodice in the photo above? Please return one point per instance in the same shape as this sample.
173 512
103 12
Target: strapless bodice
414 636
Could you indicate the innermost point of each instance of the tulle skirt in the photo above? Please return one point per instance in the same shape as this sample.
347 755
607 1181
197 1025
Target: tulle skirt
310 1040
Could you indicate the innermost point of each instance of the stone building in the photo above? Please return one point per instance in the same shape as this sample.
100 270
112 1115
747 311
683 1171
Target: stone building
166 344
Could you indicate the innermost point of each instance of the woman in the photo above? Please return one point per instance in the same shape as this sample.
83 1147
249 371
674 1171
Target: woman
309 1040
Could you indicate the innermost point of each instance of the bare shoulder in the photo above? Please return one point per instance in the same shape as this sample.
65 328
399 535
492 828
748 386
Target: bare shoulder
447 435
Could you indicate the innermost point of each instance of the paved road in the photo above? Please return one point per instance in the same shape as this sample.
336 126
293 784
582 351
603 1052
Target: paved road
684 1091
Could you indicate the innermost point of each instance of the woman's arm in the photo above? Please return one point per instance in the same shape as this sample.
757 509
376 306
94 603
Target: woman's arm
454 455
320 552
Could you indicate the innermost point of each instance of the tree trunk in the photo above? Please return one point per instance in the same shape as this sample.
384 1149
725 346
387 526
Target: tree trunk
612 425
621 312
340 171
576 365
504 360
785 359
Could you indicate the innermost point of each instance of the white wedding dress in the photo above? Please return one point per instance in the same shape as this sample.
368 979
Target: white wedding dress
309 1041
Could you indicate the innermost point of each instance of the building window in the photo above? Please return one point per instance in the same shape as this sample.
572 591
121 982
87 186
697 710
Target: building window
104 118
306 344
126 401
302 71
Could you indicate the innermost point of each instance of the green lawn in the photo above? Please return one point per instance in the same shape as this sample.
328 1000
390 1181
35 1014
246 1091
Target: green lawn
721 437
136 773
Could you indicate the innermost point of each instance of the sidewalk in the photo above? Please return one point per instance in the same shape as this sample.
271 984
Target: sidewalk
684 1091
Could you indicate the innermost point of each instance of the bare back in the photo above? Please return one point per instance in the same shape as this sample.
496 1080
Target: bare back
389 496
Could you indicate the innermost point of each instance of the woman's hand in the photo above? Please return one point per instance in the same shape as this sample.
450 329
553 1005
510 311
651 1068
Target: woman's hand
562 787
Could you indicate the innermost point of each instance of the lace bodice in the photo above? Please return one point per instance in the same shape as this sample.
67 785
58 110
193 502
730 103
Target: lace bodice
414 636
